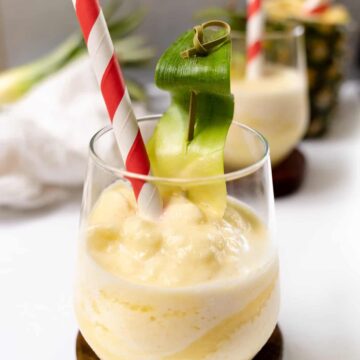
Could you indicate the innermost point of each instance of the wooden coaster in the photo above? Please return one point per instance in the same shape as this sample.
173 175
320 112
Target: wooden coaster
83 350
271 351
289 175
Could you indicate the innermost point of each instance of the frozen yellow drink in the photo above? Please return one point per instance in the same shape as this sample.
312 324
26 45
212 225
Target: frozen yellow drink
183 287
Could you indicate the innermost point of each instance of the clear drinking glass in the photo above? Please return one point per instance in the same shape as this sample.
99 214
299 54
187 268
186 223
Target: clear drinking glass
215 292
276 104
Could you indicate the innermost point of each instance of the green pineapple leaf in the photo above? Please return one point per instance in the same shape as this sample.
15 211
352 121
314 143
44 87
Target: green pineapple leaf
172 153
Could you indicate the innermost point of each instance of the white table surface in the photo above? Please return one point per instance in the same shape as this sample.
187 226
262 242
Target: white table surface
319 242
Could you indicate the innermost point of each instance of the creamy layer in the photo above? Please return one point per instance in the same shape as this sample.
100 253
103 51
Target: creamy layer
192 293
276 105
236 337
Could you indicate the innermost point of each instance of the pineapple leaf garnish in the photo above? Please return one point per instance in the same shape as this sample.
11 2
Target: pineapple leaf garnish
190 137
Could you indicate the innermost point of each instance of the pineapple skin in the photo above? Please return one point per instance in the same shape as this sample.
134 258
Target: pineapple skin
326 55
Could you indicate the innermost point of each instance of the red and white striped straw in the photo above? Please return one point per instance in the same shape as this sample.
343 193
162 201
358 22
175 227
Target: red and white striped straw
117 100
316 7
254 36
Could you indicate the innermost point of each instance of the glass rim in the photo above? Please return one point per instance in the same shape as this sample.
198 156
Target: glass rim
295 32
121 172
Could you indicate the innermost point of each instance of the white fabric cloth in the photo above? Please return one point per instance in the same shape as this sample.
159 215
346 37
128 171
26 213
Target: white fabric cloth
44 137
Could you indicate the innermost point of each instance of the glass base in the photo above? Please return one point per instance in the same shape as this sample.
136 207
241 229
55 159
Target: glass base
289 175
272 350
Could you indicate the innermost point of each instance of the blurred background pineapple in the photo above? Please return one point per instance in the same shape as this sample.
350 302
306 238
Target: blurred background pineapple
326 46
132 51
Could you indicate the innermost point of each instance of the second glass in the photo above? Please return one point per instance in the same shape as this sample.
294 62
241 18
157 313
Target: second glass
276 104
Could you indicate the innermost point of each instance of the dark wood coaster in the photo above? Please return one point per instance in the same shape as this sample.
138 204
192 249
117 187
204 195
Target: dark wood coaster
272 350
83 350
289 175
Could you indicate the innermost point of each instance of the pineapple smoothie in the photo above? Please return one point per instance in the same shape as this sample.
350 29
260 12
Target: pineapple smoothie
213 280
275 105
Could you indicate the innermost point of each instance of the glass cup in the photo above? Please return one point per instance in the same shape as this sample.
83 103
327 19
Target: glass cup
184 286
276 104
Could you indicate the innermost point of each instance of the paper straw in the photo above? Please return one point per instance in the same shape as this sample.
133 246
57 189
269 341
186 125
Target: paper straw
314 7
254 36
117 100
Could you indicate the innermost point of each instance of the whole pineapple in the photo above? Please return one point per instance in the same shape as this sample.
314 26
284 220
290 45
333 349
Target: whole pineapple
326 36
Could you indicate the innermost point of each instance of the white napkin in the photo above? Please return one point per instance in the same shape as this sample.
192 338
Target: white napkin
44 137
